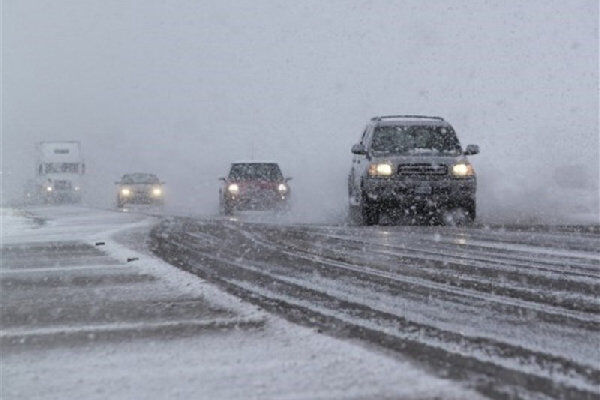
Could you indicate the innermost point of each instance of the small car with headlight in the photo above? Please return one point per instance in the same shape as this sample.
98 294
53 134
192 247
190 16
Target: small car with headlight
140 188
415 164
254 185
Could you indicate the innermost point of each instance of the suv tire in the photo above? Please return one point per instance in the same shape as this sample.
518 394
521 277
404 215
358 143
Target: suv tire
369 213
471 209
227 209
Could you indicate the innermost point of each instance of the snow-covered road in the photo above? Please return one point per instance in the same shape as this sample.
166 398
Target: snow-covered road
88 312
509 311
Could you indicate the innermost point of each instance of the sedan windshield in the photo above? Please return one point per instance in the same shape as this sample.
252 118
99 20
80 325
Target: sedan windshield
139 178
255 171
414 139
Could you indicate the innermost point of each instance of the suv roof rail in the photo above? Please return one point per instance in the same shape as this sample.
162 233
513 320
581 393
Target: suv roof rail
405 116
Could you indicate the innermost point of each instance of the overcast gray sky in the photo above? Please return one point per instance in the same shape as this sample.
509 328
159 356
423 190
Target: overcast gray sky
181 88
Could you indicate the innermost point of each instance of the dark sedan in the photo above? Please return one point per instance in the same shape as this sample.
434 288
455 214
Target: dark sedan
254 186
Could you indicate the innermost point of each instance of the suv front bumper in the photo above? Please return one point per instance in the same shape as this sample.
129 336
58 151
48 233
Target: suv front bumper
451 191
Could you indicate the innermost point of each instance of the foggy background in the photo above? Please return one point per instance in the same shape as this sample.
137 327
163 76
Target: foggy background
182 88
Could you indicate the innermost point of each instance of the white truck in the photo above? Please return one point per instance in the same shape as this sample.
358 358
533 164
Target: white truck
59 173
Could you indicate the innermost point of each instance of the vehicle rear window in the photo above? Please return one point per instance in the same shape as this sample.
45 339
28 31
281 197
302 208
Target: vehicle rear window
267 172
415 139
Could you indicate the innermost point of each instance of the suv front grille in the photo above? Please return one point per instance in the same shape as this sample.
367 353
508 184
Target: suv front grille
422 169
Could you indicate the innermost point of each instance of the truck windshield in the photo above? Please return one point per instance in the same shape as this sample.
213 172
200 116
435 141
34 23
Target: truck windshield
414 139
250 171
54 168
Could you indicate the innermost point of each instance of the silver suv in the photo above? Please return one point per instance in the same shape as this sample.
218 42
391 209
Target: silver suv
413 163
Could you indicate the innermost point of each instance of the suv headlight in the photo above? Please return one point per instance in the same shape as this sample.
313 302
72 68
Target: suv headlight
125 192
462 169
380 169
156 191
233 188
282 188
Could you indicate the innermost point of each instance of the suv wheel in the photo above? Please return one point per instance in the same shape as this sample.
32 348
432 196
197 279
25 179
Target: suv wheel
368 212
472 212
227 209
460 216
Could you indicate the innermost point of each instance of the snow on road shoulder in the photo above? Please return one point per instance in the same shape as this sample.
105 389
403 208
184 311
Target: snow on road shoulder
127 243
14 222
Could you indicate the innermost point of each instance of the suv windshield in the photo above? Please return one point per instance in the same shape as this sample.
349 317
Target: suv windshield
415 139
250 171
139 178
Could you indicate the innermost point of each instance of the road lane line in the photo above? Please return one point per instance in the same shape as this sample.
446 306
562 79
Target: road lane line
16 271
127 326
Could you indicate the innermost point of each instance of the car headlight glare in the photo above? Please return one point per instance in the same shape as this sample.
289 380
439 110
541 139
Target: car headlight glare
125 192
233 188
462 169
282 188
156 191
49 188
381 169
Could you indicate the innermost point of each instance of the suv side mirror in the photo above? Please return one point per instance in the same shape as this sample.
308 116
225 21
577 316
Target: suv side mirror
288 179
359 148
222 179
471 149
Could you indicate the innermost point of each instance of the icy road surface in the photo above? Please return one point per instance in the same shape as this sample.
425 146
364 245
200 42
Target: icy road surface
510 312
81 322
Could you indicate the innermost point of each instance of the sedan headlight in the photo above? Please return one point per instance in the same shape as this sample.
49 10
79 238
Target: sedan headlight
233 188
463 169
282 188
156 191
125 192
380 169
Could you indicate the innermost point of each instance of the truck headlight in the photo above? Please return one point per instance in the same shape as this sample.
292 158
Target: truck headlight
125 192
380 169
233 188
463 169
156 191
282 188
